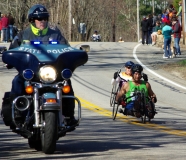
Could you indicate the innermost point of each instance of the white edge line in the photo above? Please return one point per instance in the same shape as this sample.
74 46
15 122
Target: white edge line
161 77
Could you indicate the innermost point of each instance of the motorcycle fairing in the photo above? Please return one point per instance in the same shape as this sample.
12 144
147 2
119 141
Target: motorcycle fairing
29 56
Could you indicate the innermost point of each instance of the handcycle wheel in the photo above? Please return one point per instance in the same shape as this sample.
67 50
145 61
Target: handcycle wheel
152 113
113 95
115 111
114 92
113 103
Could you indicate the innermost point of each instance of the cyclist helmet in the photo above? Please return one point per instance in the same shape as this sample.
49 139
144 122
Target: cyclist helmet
129 64
37 11
137 68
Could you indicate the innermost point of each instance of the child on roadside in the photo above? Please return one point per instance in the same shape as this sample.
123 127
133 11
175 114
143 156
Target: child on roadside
155 33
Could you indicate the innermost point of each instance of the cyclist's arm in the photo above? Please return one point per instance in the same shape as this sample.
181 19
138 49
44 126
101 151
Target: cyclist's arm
151 93
122 91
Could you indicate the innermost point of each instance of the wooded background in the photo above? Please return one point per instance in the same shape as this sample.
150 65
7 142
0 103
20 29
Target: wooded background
111 18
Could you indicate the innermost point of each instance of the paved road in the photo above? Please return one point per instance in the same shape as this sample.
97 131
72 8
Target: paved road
98 136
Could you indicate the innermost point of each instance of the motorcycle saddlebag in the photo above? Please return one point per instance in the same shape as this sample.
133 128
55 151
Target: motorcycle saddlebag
6 111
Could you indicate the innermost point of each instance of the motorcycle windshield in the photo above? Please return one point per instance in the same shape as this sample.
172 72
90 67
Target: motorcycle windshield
32 56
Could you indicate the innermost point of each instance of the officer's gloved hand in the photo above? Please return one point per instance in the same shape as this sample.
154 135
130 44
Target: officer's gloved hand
145 77
115 75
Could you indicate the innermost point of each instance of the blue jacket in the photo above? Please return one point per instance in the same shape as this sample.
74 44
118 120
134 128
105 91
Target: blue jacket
167 31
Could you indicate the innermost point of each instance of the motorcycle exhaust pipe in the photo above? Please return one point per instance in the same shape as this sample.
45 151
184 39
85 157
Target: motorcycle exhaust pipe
22 103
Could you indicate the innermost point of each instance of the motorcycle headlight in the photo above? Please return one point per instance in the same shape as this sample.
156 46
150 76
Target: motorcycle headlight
47 74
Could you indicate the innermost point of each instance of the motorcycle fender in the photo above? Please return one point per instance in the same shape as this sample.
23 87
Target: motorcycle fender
48 105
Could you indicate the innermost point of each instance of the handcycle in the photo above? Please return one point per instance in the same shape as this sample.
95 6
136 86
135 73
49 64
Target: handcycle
144 108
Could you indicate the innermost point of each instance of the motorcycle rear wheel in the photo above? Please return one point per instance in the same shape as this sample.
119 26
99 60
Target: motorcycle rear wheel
49 135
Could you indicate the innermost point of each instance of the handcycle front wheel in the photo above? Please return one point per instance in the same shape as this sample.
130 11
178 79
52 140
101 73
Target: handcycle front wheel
114 92
115 111
113 96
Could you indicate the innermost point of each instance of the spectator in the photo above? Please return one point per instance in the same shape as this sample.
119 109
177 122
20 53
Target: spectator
1 28
170 13
150 28
167 31
5 27
155 33
172 7
174 13
179 14
121 39
177 35
144 27
96 36
159 18
154 21
10 25
164 16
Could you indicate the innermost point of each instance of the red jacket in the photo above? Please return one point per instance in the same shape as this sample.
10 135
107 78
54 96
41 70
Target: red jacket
177 30
0 25
4 22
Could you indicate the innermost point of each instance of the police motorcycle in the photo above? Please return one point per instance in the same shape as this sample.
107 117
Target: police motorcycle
144 108
2 49
46 69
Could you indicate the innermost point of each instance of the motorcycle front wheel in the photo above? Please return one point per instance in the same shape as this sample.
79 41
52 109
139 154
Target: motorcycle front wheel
49 134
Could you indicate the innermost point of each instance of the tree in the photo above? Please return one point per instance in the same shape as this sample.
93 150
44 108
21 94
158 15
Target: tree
176 4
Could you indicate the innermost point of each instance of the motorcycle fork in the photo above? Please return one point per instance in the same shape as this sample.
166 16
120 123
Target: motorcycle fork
36 108
59 100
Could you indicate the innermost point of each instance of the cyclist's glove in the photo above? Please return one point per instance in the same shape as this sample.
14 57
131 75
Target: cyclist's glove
145 77
115 75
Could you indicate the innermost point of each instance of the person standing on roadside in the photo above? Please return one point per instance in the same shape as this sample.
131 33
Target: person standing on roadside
10 26
1 27
144 27
155 18
5 22
167 31
164 16
177 35
121 39
150 28
171 7
179 13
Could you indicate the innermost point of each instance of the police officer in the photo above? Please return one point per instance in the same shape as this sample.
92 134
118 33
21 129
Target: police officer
38 30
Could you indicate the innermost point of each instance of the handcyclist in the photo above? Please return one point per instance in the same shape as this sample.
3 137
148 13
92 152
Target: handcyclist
123 77
131 86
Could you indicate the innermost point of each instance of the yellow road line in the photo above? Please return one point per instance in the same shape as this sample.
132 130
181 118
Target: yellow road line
130 120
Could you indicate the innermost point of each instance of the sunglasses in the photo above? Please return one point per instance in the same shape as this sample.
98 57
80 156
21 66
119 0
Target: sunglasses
41 19
128 67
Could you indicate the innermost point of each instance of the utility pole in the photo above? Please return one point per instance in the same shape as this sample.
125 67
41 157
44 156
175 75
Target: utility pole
138 20
70 19
114 21
184 20
152 6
